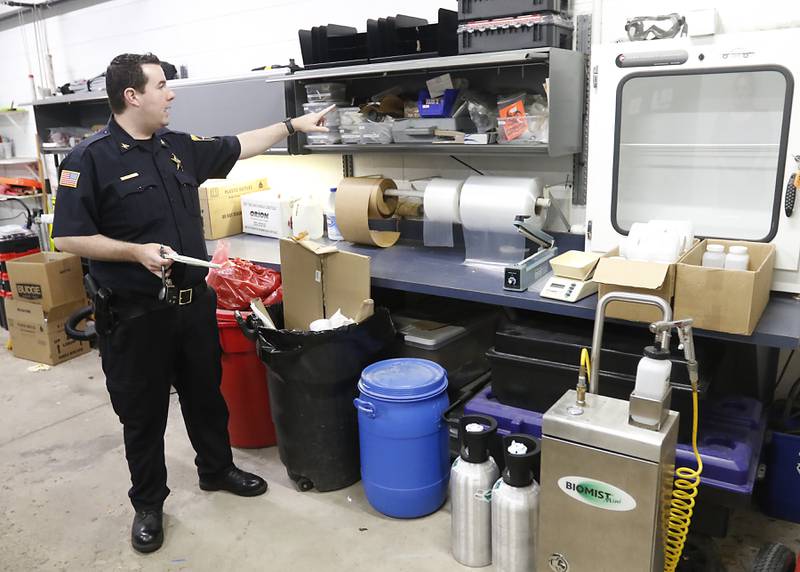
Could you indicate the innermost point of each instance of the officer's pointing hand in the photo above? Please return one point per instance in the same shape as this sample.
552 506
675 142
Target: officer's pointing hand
313 122
150 256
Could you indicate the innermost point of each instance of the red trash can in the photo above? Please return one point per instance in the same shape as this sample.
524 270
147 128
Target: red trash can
244 387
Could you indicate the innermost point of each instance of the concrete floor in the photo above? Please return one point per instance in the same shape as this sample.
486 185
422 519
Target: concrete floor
63 483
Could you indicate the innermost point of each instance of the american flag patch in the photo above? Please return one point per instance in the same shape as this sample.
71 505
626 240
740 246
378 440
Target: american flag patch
69 179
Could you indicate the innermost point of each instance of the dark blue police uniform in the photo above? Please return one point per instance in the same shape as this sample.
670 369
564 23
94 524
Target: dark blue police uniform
146 192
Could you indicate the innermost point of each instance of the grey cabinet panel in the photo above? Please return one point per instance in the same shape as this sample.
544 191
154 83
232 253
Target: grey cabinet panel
229 107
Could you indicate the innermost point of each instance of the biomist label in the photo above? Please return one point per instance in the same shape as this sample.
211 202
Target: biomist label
597 494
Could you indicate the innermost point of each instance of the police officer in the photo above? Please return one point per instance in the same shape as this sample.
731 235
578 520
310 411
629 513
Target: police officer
127 200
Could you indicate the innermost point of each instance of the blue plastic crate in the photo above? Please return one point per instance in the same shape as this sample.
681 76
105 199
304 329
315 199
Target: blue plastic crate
436 106
729 446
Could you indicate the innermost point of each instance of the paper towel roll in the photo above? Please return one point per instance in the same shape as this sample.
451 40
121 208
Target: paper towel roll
491 203
361 199
442 199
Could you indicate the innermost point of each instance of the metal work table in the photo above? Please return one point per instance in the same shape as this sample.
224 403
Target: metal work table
412 267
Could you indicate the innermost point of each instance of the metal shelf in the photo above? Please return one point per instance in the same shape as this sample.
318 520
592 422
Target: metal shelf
743 146
7 197
432 148
18 161
55 150
513 57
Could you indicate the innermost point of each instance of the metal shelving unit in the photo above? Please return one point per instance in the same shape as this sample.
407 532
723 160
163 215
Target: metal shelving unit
431 148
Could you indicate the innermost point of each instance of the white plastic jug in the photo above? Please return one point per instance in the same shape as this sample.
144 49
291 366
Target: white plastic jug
737 258
714 256
307 217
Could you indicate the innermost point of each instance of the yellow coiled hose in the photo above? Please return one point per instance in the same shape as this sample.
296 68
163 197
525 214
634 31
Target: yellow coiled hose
585 362
681 507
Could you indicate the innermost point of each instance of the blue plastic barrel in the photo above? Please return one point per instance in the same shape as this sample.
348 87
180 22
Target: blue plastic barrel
781 498
405 464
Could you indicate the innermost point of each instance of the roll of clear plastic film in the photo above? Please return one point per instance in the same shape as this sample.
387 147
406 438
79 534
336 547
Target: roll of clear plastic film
488 208
441 204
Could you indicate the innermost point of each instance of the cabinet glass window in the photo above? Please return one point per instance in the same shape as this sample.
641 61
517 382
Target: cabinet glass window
705 147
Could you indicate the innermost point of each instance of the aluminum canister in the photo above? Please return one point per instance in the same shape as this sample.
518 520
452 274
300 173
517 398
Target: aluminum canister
471 478
515 507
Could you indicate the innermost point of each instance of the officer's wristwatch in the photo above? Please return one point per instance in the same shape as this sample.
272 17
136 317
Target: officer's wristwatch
289 127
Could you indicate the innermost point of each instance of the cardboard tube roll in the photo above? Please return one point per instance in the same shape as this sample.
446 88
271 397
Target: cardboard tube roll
357 201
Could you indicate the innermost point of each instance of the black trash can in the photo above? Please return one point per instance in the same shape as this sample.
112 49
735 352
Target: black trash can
312 378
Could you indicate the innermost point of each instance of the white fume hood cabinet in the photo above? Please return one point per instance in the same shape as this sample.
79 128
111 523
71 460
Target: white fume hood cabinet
699 129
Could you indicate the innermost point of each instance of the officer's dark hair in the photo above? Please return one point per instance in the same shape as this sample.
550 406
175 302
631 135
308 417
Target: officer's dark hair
123 72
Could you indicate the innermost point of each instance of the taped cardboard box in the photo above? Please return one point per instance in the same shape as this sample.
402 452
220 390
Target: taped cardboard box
268 213
614 274
318 280
722 300
221 205
48 278
38 335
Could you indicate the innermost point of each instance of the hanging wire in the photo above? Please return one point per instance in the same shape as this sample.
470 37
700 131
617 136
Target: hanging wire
467 165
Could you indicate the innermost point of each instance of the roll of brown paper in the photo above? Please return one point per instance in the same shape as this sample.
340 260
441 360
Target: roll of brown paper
357 201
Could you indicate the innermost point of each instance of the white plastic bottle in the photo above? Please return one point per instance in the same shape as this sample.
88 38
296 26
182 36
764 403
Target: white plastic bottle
652 375
737 258
330 217
714 256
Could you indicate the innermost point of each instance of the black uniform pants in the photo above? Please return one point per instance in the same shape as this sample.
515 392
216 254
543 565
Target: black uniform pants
142 358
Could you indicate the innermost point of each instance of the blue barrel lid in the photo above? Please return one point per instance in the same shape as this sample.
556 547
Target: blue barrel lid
403 379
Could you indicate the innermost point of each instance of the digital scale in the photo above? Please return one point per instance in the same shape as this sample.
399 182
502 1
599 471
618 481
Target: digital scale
568 289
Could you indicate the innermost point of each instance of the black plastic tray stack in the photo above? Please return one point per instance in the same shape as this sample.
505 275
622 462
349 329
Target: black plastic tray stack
500 25
387 39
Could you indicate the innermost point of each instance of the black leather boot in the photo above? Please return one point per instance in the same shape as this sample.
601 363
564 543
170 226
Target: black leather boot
147 532
235 481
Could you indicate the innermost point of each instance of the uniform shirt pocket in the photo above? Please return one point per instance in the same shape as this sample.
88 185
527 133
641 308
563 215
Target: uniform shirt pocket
141 200
187 183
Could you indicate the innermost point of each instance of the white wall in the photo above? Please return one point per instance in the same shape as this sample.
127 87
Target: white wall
215 38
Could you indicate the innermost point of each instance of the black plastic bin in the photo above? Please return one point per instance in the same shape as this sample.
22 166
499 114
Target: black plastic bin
523 32
433 337
312 378
488 9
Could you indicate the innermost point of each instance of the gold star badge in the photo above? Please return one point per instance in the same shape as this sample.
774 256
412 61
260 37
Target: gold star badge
178 162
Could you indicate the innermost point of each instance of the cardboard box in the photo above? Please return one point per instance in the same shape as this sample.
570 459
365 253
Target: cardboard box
575 264
221 205
621 275
48 278
268 213
38 335
729 301
318 280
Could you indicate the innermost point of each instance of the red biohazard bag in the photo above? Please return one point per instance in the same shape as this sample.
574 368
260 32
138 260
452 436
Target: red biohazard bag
239 281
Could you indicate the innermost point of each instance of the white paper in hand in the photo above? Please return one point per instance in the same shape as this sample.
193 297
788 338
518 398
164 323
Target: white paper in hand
192 261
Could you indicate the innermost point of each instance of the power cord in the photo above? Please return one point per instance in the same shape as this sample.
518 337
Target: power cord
29 214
